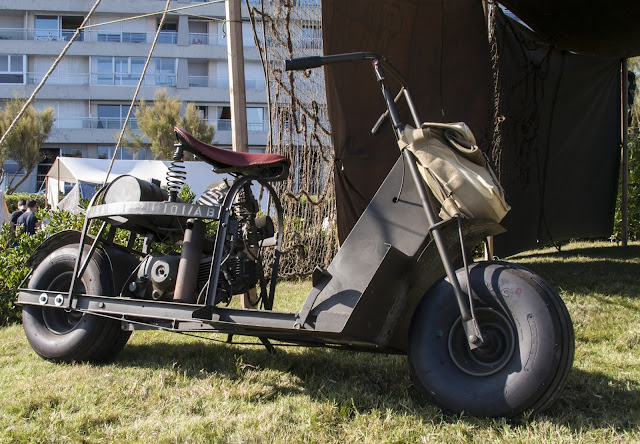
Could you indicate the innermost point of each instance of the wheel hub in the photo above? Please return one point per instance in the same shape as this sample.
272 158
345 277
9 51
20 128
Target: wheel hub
57 320
495 353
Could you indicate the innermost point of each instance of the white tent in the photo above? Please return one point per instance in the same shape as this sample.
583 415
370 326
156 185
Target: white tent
72 170
5 216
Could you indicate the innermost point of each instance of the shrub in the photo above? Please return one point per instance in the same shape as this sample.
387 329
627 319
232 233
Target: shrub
12 200
634 193
13 257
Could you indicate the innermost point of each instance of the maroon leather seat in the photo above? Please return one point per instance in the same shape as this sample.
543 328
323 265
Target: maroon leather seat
264 166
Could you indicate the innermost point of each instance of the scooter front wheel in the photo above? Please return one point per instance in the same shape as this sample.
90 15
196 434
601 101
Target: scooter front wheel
527 352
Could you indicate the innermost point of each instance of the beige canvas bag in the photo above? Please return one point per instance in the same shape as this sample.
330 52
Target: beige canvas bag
456 171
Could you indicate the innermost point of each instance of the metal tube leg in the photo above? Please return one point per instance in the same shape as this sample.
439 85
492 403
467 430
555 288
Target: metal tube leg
187 278
472 330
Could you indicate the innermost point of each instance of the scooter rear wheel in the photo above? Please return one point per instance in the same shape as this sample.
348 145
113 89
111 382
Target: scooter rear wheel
66 335
528 350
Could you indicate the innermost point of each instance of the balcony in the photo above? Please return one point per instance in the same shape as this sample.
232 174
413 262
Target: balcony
117 37
132 79
72 79
214 82
97 35
115 123
62 35
102 79
201 38
252 126
13 34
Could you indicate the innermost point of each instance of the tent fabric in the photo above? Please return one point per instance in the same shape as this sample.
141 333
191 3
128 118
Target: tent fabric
5 216
81 190
73 170
609 29
440 47
71 202
556 141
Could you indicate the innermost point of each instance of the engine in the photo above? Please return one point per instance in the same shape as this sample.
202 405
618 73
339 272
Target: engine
240 269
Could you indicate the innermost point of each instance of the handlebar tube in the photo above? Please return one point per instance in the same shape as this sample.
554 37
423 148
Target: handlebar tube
303 63
381 65
474 335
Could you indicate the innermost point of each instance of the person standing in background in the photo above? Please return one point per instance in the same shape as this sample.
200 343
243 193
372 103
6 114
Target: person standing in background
15 216
29 219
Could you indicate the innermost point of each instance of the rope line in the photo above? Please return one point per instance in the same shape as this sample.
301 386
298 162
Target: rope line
135 94
152 14
48 74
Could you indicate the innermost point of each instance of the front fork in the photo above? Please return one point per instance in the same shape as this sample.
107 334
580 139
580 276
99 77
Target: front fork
471 328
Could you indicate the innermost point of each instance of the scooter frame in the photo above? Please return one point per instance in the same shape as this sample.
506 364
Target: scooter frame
365 298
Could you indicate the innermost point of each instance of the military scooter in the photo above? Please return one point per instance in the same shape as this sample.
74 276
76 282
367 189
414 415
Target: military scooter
489 338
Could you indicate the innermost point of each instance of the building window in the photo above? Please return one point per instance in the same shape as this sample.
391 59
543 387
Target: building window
47 27
126 71
134 37
70 152
203 111
109 38
12 68
198 32
165 72
224 118
49 156
121 71
168 33
106 152
55 27
125 37
113 116
255 119
311 37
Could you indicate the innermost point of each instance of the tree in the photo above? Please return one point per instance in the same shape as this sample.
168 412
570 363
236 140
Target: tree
25 140
156 122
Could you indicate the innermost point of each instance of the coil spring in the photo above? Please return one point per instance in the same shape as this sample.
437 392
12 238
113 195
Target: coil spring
176 174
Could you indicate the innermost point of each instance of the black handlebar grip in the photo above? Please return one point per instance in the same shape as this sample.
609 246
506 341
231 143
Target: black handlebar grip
303 63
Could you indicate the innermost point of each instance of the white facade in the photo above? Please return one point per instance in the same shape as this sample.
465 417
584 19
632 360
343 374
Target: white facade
91 89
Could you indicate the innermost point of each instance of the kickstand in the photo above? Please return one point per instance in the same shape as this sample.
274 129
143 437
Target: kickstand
268 345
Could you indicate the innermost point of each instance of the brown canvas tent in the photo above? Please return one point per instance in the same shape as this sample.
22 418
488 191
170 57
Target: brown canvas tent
444 50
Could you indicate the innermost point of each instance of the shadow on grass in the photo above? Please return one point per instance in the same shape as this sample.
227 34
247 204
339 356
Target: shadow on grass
589 270
599 252
363 382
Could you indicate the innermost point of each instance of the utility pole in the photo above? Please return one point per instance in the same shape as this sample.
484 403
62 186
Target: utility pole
237 93
238 98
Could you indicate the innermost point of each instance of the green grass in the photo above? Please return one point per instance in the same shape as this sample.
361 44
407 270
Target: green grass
166 388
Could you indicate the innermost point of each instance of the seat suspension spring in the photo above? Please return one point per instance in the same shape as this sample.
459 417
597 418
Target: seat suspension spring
176 174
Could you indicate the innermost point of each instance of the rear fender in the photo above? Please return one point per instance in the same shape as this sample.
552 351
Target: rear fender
54 242
122 263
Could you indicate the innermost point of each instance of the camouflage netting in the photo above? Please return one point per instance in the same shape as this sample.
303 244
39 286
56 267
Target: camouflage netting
285 29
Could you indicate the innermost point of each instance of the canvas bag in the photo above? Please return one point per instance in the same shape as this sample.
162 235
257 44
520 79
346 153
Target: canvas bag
455 170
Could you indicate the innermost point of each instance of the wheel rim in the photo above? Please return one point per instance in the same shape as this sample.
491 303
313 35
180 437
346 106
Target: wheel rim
57 320
497 350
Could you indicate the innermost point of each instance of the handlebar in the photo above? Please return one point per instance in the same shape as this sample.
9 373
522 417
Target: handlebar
380 66
303 63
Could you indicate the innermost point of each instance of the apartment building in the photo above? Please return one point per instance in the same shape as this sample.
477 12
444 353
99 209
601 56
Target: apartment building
92 87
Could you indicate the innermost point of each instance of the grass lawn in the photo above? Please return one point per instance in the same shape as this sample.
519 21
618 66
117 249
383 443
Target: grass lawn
166 388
